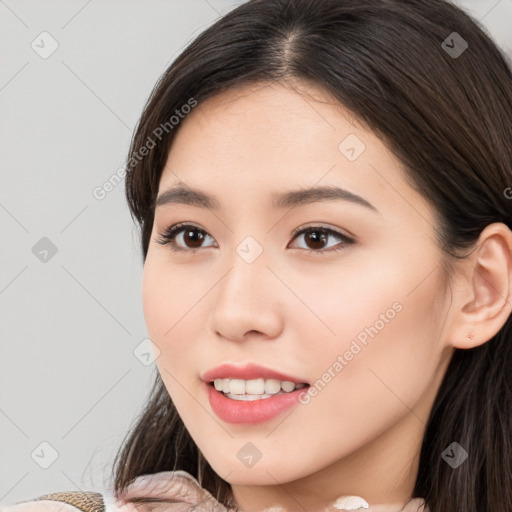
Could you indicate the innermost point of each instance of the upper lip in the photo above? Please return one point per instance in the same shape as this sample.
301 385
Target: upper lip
247 372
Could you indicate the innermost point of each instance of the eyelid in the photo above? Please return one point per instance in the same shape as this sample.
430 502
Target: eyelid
320 226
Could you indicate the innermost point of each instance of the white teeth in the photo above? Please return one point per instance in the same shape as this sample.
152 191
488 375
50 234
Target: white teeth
272 386
260 387
287 385
236 386
254 387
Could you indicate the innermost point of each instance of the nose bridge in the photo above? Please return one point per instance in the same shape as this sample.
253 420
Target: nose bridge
247 267
250 250
244 301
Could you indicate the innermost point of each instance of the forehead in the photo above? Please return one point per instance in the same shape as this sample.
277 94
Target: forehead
257 139
303 121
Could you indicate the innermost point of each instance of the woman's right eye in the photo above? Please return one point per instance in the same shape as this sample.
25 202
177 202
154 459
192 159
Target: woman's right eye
191 234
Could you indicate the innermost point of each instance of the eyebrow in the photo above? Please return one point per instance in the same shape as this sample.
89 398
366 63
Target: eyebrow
181 194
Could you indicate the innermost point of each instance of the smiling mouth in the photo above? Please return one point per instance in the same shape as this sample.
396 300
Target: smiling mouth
254 389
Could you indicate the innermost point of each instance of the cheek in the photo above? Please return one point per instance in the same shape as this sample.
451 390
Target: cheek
169 295
344 306
377 343
169 301
393 356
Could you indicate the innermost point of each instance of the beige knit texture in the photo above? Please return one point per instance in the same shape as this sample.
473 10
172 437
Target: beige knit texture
85 501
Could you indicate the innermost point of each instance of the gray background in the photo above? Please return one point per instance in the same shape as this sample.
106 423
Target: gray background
72 371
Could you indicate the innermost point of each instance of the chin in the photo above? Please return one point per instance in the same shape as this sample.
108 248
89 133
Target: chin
267 473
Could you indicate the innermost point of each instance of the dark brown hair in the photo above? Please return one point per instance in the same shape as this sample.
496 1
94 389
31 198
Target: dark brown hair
447 116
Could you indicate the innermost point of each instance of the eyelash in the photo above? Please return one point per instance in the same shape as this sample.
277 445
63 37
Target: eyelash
168 236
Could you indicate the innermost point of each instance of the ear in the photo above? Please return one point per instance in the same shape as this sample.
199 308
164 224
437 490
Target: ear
483 296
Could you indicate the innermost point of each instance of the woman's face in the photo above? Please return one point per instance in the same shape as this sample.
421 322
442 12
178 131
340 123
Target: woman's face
359 321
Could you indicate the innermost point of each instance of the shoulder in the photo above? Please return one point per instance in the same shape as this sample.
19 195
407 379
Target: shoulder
168 491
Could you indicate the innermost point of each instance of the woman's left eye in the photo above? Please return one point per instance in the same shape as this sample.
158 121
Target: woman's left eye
317 235
190 234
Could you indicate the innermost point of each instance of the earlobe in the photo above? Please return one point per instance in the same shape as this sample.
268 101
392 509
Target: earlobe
487 298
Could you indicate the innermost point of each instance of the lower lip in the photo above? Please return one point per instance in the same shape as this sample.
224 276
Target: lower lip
254 411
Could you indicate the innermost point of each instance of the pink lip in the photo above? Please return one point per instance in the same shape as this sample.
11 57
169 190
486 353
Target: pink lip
246 372
254 411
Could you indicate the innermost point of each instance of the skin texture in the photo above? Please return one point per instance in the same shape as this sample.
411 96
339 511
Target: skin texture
296 310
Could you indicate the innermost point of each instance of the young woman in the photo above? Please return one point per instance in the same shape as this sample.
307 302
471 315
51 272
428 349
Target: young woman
324 191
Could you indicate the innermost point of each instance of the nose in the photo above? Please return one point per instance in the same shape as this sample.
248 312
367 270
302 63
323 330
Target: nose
247 302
